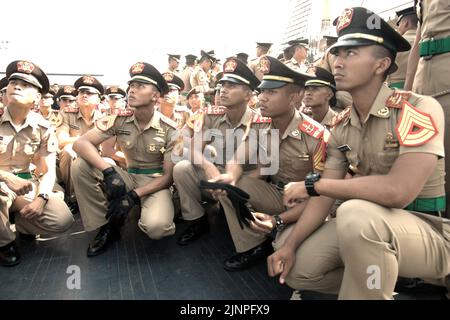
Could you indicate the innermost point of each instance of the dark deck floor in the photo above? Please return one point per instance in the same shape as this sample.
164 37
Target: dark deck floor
140 268
136 268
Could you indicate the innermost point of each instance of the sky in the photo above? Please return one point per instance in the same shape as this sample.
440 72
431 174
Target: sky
107 37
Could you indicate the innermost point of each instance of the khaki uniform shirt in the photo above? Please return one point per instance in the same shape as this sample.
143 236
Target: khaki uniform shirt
371 148
186 77
327 121
301 149
432 75
199 80
74 123
143 149
297 66
54 117
20 144
402 60
218 132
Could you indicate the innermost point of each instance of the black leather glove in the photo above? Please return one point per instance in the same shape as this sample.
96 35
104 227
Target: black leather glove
238 198
119 208
114 185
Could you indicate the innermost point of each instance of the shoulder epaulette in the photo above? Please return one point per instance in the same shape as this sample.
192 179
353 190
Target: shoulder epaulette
216 110
257 118
311 127
341 116
397 98
169 121
123 112
71 109
106 122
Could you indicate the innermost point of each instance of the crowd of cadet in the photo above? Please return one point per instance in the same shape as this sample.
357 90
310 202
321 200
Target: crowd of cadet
326 170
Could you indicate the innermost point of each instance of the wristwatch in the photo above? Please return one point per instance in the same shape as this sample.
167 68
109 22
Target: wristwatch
311 178
43 196
279 223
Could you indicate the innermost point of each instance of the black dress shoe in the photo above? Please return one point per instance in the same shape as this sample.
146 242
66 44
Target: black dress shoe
27 237
248 259
9 255
104 237
195 230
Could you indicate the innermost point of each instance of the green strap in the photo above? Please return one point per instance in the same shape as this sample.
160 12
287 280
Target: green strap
427 204
397 85
24 175
432 47
144 171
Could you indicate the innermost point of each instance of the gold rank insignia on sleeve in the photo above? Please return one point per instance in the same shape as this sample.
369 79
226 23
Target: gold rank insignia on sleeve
415 127
320 155
105 123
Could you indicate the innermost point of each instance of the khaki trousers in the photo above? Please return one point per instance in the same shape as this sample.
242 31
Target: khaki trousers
55 219
187 178
265 198
361 253
157 211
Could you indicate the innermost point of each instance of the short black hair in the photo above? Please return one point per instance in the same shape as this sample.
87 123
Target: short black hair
381 52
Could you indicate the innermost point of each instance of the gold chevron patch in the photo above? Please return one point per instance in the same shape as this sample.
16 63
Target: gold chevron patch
415 128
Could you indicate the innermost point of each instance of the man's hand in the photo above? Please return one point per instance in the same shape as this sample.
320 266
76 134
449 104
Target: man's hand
18 185
114 185
281 262
221 178
294 193
34 209
119 208
263 223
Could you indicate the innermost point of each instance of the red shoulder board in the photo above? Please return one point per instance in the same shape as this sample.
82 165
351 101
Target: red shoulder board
311 127
415 128
397 98
71 109
169 121
216 110
341 116
105 123
257 118
123 112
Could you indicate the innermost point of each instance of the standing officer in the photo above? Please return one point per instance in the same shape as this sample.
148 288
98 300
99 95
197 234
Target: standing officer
407 26
298 60
298 150
215 127
145 137
262 48
26 135
320 96
390 225
199 77
186 74
76 122
174 63
432 47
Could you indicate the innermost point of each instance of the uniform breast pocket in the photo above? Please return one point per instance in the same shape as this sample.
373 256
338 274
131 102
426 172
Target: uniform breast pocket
385 160
30 148
154 148
125 143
